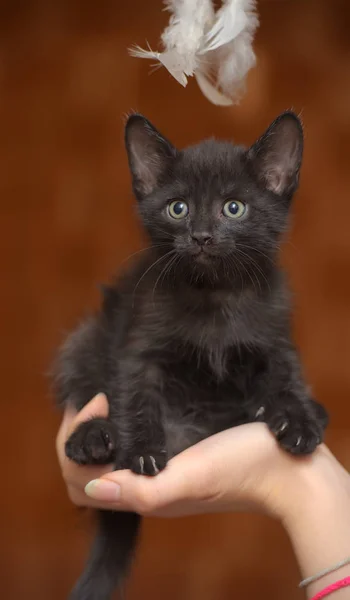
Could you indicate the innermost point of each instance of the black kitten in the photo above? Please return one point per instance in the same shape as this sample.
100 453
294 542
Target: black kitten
195 338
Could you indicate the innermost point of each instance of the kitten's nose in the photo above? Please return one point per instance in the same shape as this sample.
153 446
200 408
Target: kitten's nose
202 238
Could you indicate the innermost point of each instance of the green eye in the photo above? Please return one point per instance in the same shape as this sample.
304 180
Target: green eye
178 209
234 209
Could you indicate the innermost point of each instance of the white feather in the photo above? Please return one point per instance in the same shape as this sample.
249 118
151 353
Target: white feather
172 61
138 52
188 24
235 60
210 91
214 47
230 21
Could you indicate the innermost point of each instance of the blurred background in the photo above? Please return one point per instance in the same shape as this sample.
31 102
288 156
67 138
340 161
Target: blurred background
67 222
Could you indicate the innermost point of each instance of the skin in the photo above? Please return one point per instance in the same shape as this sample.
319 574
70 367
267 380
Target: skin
309 495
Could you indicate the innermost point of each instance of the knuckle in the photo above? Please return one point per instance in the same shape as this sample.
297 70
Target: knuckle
146 501
211 484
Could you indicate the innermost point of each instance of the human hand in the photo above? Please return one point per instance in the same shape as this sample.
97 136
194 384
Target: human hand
193 481
242 468
239 469
235 470
76 477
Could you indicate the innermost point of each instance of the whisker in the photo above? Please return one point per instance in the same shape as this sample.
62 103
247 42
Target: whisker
245 246
173 264
145 273
163 271
255 266
168 235
231 262
253 272
248 272
141 250
176 259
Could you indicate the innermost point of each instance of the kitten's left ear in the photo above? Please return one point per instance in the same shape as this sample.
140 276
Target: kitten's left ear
150 154
276 156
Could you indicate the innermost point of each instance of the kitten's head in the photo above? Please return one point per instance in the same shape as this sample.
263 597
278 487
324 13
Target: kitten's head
219 208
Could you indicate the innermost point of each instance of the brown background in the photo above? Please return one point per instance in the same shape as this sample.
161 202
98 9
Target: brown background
66 222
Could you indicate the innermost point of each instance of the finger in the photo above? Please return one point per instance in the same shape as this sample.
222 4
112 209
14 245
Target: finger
79 475
203 478
79 498
186 480
62 434
97 407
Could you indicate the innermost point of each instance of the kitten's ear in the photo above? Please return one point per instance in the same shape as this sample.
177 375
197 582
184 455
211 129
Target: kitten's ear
276 156
150 154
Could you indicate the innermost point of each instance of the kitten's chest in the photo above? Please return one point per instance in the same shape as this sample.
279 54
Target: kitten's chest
214 341
196 410
198 403
215 322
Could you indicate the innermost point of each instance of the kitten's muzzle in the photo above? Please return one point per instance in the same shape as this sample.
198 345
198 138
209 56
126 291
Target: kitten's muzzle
202 238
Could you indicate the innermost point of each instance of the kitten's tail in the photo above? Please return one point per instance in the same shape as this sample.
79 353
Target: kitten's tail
110 557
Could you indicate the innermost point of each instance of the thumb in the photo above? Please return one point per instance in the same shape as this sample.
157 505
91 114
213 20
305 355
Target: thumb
97 407
184 487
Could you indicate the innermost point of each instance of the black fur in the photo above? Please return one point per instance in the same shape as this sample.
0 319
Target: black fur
195 338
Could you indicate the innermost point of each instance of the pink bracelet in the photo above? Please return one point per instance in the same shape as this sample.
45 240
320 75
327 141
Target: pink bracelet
338 585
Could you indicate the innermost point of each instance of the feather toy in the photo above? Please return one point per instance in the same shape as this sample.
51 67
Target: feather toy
213 46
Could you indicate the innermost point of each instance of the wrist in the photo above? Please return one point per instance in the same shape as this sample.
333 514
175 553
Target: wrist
310 486
314 507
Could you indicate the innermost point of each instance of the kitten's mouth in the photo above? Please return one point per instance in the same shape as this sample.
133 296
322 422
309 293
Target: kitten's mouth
202 254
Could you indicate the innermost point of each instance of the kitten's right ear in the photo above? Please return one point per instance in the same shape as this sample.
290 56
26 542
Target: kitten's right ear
150 154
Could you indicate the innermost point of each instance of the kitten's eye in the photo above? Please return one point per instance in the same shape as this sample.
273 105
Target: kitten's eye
178 209
234 209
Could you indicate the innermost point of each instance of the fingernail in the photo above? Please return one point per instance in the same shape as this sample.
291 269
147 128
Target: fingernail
101 489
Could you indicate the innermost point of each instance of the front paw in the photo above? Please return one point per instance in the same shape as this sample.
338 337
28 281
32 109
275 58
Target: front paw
149 463
297 429
92 443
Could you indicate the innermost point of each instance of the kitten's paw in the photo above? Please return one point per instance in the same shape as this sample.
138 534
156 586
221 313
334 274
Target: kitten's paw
298 432
92 443
299 429
149 464
321 413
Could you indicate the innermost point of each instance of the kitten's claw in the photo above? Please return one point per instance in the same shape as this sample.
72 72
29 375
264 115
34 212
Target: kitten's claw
296 433
155 468
260 413
298 427
281 429
149 464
